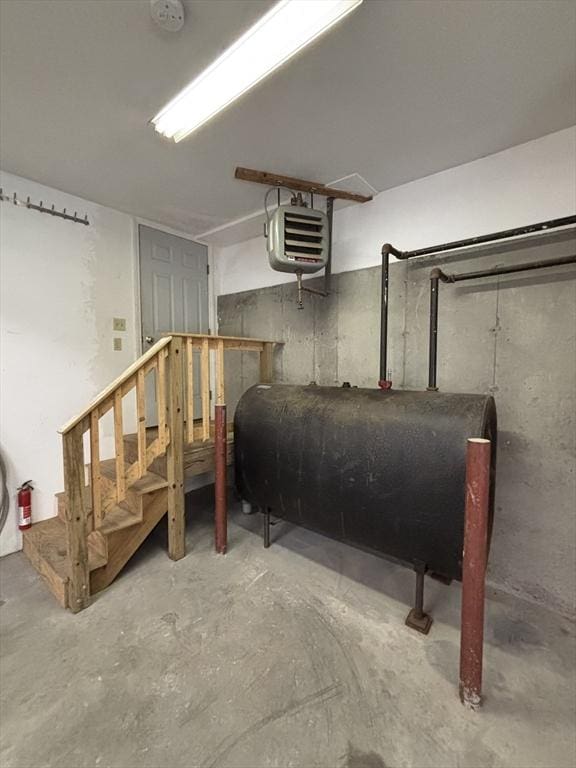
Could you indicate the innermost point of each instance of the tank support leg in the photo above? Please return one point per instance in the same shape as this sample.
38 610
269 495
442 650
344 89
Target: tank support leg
417 619
267 527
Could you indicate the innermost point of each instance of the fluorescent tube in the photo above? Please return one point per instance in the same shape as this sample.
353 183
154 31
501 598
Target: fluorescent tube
287 28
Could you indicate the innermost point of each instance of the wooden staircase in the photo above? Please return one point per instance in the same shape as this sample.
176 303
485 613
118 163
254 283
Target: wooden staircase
109 506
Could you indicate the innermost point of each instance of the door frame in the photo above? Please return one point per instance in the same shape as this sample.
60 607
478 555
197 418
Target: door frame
137 222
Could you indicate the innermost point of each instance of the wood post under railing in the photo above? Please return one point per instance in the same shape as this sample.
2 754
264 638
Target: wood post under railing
205 388
267 363
161 400
95 468
189 380
175 451
76 518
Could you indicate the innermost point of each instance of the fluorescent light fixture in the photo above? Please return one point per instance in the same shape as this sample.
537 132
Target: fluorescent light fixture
287 28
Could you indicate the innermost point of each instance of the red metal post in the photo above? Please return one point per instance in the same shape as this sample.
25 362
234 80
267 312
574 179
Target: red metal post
221 509
474 570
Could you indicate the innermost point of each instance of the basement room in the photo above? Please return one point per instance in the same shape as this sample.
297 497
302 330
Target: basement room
288 383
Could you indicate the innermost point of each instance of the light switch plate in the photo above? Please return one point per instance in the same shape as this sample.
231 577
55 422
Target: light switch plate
117 345
119 324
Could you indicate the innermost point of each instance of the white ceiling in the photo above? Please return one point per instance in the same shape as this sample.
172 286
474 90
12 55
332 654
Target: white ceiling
398 91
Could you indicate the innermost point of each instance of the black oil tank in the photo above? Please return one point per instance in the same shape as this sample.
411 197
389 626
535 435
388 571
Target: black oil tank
382 470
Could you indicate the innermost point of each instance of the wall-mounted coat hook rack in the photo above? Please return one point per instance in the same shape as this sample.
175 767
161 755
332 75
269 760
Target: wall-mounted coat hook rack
41 208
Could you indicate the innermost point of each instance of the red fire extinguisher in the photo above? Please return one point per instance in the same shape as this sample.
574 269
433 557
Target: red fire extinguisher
25 505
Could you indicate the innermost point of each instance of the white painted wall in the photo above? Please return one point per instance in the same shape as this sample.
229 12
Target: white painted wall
528 183
60 286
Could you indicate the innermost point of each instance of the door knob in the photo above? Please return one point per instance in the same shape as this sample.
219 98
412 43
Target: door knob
149 339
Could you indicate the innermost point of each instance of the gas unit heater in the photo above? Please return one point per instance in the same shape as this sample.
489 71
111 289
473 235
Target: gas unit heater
298 239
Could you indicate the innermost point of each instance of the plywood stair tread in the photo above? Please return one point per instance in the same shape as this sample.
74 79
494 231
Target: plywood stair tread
118 517
61 500
148 483
48 538
131 439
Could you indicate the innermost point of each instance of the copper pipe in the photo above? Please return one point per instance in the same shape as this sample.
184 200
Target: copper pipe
221 508
474 570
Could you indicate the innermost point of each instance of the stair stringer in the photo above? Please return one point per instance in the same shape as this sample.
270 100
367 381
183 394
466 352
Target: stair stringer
122 544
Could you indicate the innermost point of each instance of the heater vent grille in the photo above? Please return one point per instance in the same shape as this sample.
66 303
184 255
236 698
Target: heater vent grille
298 239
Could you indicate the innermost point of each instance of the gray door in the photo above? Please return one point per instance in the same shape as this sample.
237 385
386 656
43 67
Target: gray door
173 291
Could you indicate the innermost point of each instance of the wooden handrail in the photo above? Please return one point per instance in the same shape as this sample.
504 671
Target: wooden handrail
173 359
111 388
225 339
238 343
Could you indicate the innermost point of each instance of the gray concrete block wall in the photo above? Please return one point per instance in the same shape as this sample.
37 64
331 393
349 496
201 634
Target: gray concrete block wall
513 337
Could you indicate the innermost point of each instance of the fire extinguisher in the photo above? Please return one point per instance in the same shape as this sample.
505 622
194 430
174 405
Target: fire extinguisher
25 505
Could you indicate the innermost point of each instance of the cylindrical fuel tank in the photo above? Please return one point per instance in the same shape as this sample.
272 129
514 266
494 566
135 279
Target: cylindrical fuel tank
382 470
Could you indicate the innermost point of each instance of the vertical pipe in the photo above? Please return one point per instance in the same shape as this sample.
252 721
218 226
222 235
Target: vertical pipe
419 597
417 619
474 570
383 381
221 509
433 341
328 268
267 527
299 285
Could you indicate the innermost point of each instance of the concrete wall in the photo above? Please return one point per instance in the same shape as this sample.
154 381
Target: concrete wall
514 337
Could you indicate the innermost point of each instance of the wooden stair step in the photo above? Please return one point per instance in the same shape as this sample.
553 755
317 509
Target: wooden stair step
149 482
61 502
45 546
158 465
108 469
118 517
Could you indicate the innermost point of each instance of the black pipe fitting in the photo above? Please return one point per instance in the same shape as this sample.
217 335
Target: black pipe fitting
437 276
388 249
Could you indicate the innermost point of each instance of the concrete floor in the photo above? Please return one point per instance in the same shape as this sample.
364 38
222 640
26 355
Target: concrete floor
292 656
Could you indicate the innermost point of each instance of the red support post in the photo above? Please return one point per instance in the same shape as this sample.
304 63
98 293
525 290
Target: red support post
221 509
474 570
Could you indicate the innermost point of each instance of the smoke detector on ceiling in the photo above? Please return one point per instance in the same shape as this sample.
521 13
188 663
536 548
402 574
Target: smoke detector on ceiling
168 14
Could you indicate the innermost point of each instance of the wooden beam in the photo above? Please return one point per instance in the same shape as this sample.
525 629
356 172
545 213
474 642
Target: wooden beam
189 383
141 415
220 373
300 185
175 453
95 468
161 398
267 363
205 388
76 530
119 447
229 341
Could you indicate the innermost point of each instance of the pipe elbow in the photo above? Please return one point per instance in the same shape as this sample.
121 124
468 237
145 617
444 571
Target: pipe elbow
388 249
437 274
